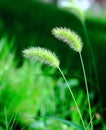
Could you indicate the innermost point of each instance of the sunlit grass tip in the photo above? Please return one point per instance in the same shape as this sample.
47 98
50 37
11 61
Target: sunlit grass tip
41 54
69 37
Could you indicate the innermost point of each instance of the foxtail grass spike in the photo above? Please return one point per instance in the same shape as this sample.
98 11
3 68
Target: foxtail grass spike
47 57
69 37
43 55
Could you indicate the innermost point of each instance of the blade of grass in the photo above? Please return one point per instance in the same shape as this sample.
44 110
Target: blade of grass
63 121
90 121
13 121
6 121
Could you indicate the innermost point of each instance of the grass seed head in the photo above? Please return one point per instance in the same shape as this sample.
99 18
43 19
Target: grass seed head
69 37
43 55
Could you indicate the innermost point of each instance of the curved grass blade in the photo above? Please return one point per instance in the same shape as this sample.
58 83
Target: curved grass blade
70 123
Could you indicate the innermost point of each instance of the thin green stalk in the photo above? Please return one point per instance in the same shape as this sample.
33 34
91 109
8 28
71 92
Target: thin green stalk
90 121
73 98
93 61
13 121
89 48
88 98
5 113
24 127
91 56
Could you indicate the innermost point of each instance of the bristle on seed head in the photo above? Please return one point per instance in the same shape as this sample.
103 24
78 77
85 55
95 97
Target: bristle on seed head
43 55
69 37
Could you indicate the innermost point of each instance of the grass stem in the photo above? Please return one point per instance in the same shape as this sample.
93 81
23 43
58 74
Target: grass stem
88 98
73 98
93 63
91 56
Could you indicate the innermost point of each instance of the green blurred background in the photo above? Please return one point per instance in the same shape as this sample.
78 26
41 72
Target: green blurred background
32 90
